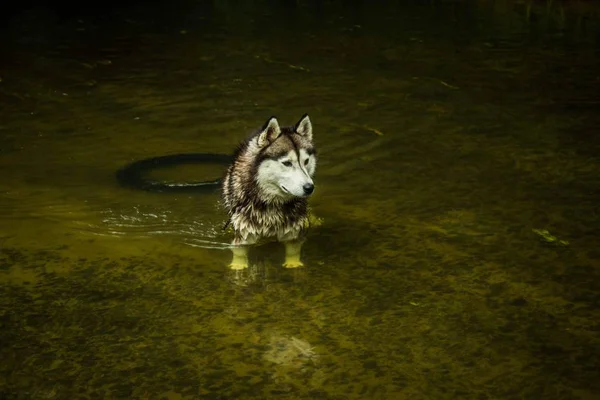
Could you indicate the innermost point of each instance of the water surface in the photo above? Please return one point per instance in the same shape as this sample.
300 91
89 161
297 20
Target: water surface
457 182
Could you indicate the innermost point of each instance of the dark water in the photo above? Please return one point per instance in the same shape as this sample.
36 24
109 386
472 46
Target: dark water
458 184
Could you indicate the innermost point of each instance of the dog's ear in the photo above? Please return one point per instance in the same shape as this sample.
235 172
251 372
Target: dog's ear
304 127
269 132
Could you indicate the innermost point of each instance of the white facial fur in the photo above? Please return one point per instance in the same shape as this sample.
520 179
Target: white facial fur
287 176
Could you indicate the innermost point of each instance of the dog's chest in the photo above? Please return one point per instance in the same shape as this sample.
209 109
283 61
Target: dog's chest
269 221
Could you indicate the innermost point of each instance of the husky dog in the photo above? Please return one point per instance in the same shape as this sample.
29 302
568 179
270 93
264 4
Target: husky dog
266 187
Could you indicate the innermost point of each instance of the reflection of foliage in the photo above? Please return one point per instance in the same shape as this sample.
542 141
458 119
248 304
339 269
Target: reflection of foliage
572 14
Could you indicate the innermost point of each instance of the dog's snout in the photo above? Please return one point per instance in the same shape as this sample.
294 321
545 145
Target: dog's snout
308 188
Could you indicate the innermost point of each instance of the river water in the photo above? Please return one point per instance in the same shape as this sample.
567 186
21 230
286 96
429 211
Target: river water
457 184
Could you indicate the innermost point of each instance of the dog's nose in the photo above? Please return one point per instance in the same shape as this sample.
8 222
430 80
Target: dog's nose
308 188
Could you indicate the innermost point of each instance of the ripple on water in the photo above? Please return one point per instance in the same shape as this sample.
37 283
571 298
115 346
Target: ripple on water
138 222
183 222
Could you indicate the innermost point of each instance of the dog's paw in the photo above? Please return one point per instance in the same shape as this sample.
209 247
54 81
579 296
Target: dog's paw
238 265
293 264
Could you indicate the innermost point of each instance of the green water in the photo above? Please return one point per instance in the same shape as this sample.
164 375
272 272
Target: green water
450 136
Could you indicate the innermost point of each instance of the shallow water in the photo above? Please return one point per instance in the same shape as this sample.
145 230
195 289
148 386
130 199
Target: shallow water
450 136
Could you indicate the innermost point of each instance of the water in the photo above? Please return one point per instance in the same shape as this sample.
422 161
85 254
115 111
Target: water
451 137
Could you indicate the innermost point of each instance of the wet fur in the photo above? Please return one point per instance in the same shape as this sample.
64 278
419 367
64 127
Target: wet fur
255 213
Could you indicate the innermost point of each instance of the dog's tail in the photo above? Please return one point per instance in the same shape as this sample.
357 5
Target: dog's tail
135 175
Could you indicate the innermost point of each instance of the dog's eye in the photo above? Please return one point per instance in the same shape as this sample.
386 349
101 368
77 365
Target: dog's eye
287 163
306 162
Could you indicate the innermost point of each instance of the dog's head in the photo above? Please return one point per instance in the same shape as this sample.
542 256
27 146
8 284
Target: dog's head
287 159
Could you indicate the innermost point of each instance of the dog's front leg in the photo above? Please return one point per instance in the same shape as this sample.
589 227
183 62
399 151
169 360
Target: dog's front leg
240 257
239 250
293 249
